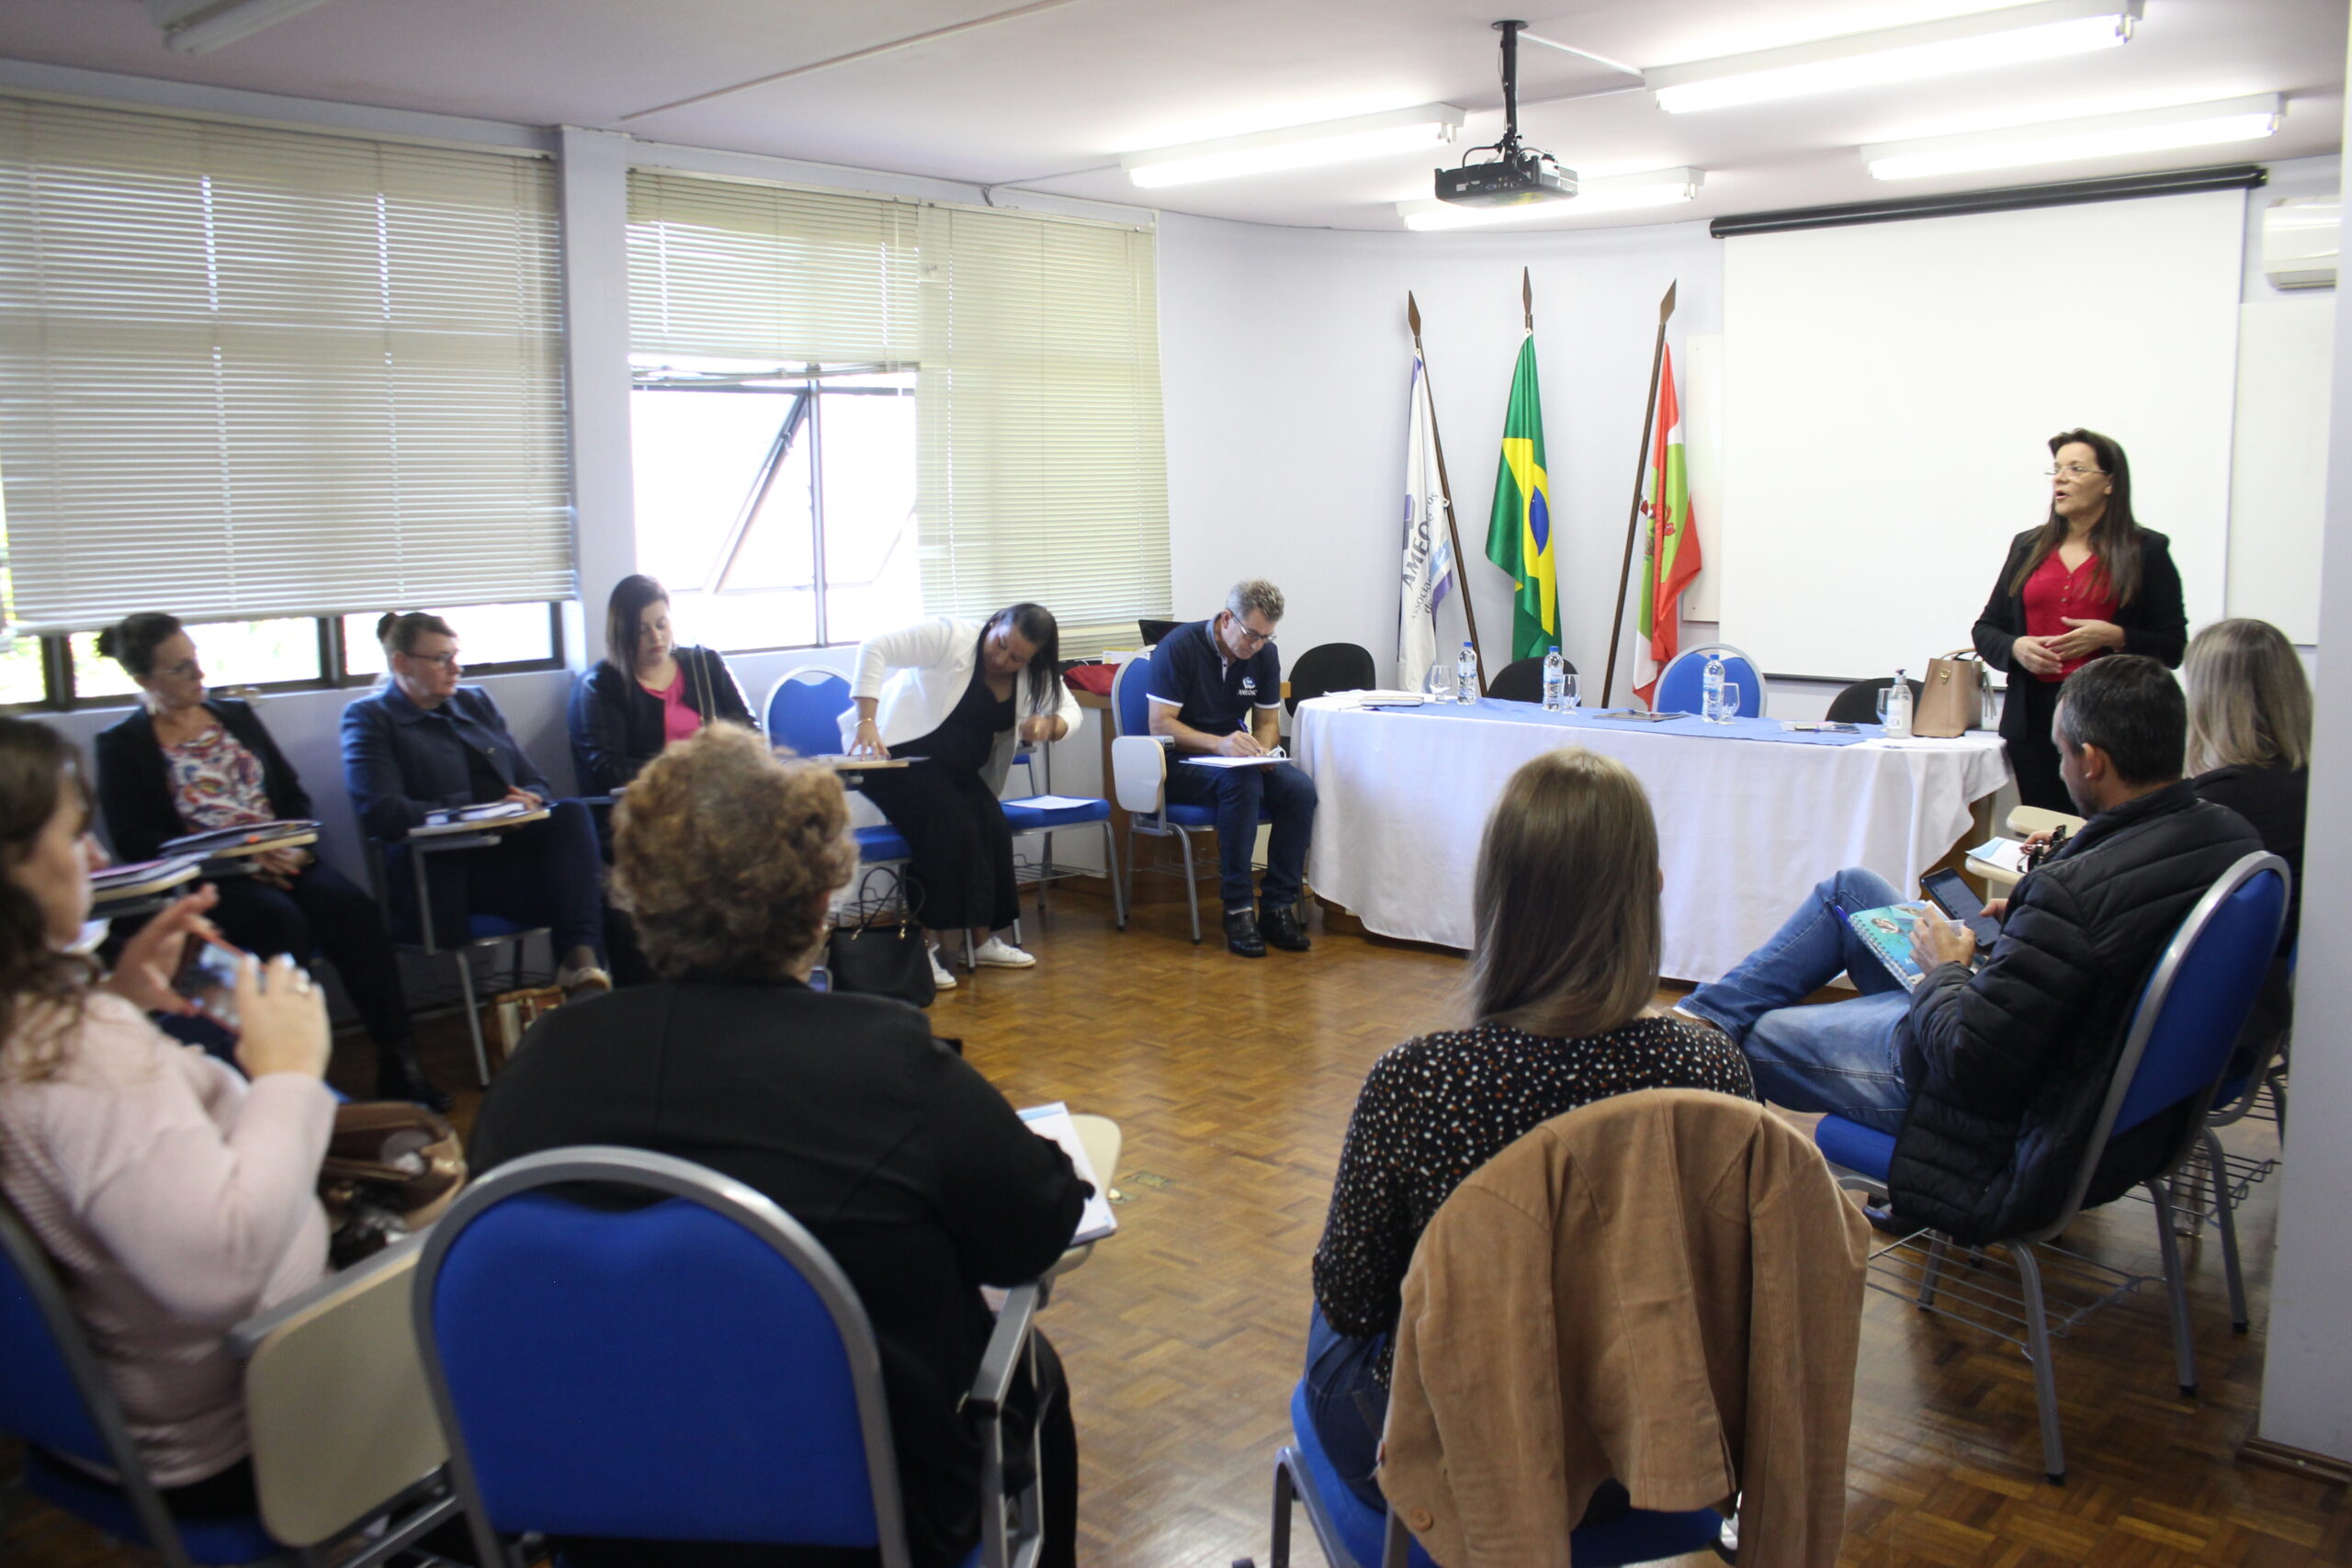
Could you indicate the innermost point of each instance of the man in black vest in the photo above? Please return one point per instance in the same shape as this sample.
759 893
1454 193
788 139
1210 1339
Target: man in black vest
1216 691
1991 1077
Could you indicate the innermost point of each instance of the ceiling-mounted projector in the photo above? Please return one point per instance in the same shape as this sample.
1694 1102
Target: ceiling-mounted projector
1515 175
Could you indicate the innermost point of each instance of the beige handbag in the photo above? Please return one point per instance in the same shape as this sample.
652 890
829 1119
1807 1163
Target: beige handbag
1952 701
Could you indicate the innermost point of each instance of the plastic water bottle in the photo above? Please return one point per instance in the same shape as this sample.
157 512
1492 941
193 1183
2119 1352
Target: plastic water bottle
1710 691
1466 675
1898 706
1556 683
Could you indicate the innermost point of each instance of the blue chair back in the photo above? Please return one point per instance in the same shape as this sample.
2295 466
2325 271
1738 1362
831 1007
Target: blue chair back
804 711
1679 685
693 1368
2200 993
1131 696
42 1398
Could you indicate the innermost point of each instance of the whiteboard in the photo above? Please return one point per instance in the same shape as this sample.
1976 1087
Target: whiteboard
1888 389
2279 481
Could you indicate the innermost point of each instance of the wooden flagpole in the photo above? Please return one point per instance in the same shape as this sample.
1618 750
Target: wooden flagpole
1634 513
1445 487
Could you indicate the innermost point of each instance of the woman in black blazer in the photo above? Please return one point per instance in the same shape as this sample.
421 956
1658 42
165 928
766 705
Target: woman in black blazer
185 762
2088 582
914 1173
646 692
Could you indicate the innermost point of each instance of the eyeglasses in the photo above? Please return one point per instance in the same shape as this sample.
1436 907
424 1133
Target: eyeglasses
2070 471
1248 638
185 668
449 660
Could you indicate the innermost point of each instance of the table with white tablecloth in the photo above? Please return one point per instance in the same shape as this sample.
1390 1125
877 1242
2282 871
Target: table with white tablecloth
1750 815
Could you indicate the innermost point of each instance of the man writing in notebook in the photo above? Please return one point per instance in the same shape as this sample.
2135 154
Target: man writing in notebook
1216 691
1991 1077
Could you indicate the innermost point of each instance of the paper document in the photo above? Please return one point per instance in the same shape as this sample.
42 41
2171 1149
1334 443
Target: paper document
1268 761
1049 802
491 812
2001 854
1052 1122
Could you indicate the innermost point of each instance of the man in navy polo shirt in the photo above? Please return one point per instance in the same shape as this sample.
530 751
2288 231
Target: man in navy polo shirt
1216 689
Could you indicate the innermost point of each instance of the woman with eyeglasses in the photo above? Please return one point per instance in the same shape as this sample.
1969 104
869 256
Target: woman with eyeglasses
957 698
187 762
420 743
2090 580
646 692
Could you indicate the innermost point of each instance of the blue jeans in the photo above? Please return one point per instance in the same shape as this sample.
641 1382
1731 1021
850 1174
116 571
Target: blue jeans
1347 1406
1838 1056
1287 797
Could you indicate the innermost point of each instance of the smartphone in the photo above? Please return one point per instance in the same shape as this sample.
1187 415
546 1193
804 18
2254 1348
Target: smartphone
1946 892
209 981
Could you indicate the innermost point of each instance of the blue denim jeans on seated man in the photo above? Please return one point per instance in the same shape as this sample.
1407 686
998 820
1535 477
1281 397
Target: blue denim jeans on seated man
1288 797
1834 1056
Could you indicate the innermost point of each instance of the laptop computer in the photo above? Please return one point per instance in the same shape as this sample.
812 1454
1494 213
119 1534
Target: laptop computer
1155 631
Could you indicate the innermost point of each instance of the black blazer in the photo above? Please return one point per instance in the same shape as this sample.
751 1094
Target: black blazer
615 724
2154 622
902 1159
135 785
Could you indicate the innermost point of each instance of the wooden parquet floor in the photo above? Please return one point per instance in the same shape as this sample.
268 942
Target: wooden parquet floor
1184 1333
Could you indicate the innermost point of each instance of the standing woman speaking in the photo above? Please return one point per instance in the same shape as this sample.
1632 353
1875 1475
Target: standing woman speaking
2090 580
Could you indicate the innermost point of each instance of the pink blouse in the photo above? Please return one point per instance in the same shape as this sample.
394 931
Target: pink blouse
678 720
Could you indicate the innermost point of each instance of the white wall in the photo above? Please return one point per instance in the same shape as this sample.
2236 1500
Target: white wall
2306 1378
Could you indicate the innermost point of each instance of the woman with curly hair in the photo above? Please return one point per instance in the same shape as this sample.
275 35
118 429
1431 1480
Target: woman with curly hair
174 1198
904 1162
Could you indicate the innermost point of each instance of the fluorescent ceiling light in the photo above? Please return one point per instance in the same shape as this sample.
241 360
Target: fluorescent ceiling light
2012 36
199 27
1657 187
1296 146
2066 140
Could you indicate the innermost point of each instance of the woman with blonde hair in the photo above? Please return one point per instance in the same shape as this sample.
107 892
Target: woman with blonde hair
1564 1012
174 1197
905 1163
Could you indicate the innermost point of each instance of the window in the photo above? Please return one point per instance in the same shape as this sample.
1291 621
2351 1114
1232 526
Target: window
778 513
251 373
777 333
491 638
232 653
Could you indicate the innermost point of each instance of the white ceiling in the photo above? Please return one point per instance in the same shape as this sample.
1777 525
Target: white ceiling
1047 92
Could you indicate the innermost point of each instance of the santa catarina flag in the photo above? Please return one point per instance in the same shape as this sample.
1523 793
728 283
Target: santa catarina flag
1429 541
1519 533
1671 546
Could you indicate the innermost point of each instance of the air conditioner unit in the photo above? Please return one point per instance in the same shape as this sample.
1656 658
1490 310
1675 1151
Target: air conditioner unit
2299 242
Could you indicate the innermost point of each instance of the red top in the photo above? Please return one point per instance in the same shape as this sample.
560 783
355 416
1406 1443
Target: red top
2053 594
678 720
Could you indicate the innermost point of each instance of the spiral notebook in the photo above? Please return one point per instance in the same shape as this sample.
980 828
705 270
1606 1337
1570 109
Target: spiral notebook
1889 931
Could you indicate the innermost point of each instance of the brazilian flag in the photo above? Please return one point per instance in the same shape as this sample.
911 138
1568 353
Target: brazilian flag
1519 534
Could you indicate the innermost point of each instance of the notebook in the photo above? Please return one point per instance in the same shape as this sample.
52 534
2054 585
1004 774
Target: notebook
1052 1122
245 838
1888 932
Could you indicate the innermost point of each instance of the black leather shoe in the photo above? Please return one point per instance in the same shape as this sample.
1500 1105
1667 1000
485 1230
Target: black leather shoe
1283 928
1241 933
400 1075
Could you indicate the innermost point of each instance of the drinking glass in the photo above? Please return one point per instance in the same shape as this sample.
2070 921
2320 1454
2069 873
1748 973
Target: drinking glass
1731 702
1882 705
1438 685
1568 692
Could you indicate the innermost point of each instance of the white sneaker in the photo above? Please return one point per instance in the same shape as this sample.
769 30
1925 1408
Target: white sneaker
999 954
940 976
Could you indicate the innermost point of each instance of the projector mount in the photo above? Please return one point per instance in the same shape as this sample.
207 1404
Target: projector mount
1515 175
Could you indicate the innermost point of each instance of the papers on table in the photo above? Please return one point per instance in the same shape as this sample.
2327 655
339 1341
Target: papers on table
1052 1122
245 838
2004 855
478 818
1051 802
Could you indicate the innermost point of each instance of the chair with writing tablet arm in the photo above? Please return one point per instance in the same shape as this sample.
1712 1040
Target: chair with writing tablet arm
1139 765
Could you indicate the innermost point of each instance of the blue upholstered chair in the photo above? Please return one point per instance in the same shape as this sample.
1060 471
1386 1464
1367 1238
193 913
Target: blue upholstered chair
2177 1046
804 711
1139 765
1679 683
1353 1535
56 1397
694 1367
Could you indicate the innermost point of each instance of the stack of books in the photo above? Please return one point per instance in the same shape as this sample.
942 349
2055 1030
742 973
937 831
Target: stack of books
245 838
142 878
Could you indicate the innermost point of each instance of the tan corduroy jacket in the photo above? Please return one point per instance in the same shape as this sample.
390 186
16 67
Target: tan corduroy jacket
1663 1288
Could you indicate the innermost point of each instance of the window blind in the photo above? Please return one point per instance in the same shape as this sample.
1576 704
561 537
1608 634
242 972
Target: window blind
249 372
1040 467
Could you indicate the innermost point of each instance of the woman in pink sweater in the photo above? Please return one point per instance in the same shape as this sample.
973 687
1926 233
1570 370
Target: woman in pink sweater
174 1197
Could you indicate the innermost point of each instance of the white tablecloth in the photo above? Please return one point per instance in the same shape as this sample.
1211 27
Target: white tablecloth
1745 825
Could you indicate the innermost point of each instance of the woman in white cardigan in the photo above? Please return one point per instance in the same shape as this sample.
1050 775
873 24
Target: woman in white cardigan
963 697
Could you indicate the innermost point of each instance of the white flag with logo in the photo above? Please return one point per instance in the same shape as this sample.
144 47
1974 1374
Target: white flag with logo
1428 542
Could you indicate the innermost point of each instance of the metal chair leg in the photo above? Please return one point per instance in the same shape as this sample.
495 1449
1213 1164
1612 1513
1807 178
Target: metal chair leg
2226 1218
2184 1348
1128 876
1111 868
465 958
1285 1497
1044 875
1928 1275
1396 1541
2046 1382
1191 882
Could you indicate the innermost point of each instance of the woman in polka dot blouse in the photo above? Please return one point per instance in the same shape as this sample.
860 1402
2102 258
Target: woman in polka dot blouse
1564 983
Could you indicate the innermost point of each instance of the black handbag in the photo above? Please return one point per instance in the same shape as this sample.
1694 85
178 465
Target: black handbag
880 957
